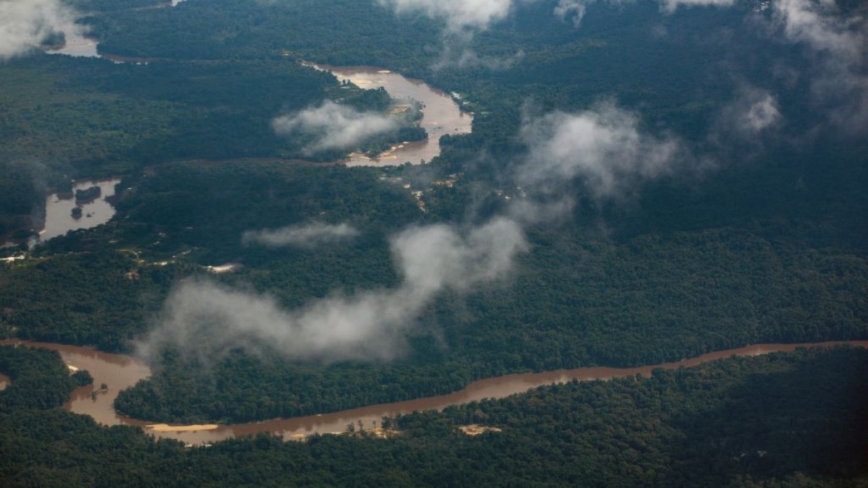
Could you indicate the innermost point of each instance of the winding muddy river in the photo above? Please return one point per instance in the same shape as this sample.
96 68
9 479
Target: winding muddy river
441 113
118 372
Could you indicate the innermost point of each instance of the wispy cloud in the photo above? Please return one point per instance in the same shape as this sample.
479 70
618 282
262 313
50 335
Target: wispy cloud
459 15
456 53
605 146
307 236
25 24
462 19
670 6
840 58
467 16
752 112
204 318
334 126
572 9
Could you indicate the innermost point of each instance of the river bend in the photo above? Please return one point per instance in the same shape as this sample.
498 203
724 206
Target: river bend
118 372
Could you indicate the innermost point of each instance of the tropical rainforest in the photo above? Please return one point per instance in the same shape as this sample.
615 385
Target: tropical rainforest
680 180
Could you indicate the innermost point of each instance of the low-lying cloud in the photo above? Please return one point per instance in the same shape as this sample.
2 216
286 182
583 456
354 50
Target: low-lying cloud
25 24
670 6
334 126
837 45
760 113
752 112
458 14
840 58
306 236
605 146
457 54
462 16
204 318
572 9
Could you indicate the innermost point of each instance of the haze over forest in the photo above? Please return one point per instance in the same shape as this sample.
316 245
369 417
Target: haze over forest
614 184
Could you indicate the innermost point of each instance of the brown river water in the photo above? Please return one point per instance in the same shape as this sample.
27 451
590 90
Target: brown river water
118 371
58 218
441 113
58 209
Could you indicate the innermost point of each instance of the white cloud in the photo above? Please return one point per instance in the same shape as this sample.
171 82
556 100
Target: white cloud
462 16
334 126
752 112
311 235
458 14
574 9
762 113
204 318
604 146
24 24
838 44
817 24
457 54
670 6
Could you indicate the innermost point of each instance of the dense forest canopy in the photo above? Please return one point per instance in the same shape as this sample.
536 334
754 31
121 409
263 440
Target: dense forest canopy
644 181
